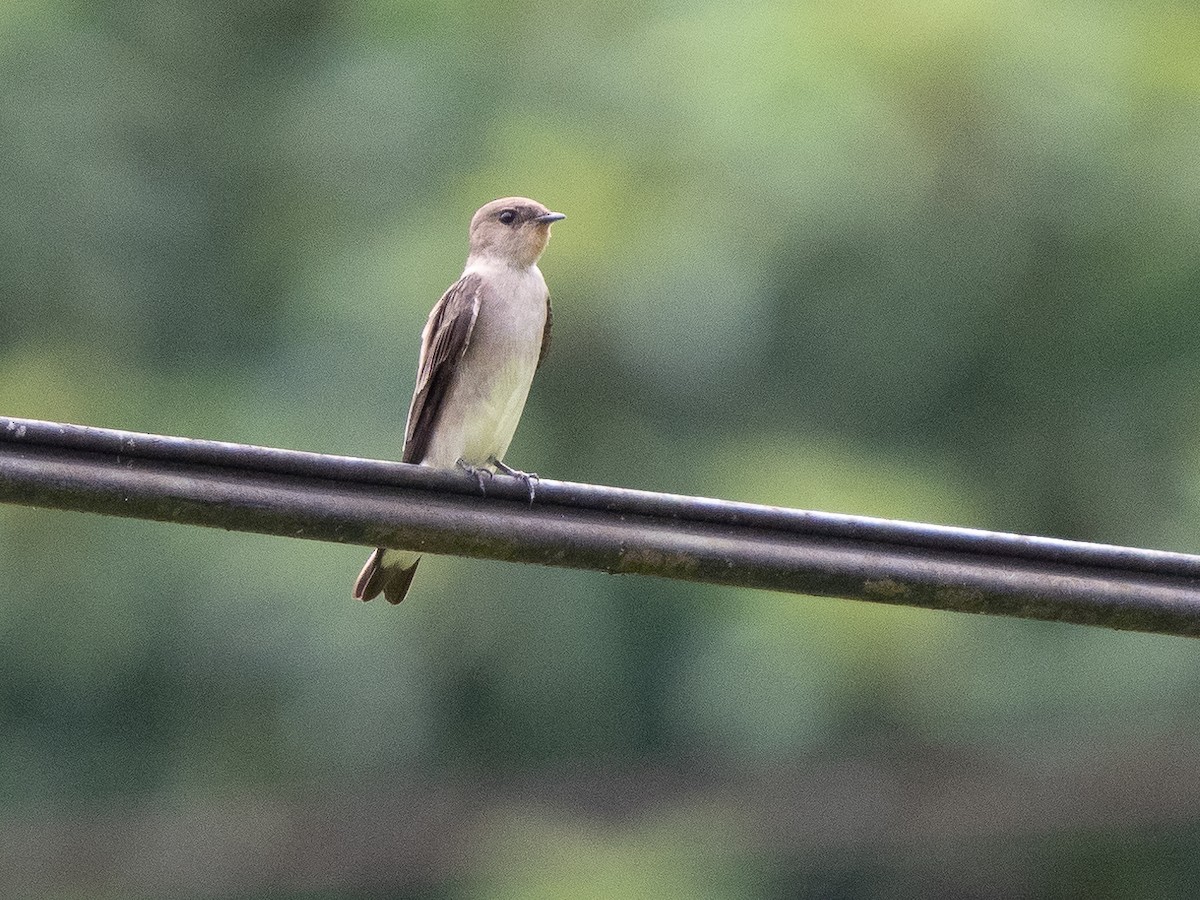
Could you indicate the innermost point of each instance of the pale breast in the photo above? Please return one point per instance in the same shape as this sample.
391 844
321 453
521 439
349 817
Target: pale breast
480 415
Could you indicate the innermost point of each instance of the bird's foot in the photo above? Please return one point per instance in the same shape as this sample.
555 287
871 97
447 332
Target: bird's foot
477 472
530 478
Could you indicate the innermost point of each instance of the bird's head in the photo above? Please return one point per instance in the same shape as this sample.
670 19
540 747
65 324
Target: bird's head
514 230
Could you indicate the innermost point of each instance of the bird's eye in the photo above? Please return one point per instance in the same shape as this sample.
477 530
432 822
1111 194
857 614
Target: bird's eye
507 216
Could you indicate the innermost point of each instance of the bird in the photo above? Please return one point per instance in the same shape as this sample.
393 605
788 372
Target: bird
483 342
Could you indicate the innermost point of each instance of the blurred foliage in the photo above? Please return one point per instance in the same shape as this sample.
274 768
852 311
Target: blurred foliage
532 856
934 261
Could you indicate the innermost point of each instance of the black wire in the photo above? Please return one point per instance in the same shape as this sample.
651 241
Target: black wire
366 501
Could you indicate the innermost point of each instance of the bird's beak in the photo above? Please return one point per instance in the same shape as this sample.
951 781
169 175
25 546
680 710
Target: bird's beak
549 217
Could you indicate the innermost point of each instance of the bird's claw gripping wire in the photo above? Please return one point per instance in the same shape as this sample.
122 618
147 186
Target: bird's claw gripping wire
477 472
529 478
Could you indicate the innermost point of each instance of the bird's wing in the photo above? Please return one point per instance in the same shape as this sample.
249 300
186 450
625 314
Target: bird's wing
546 332
443 343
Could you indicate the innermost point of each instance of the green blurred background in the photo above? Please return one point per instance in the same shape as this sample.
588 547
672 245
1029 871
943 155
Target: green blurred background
929 260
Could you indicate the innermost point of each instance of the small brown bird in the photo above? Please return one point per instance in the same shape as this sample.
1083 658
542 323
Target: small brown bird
484 340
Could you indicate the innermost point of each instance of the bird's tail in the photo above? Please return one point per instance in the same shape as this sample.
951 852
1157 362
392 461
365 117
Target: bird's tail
389 572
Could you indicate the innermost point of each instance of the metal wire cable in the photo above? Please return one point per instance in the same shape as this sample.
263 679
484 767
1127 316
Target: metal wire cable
372 502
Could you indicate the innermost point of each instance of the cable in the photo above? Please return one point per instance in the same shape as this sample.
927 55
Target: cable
372 502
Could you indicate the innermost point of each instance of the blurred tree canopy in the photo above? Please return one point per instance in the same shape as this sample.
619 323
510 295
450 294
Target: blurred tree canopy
934 261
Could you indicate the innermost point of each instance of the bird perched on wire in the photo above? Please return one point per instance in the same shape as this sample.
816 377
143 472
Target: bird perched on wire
480 348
